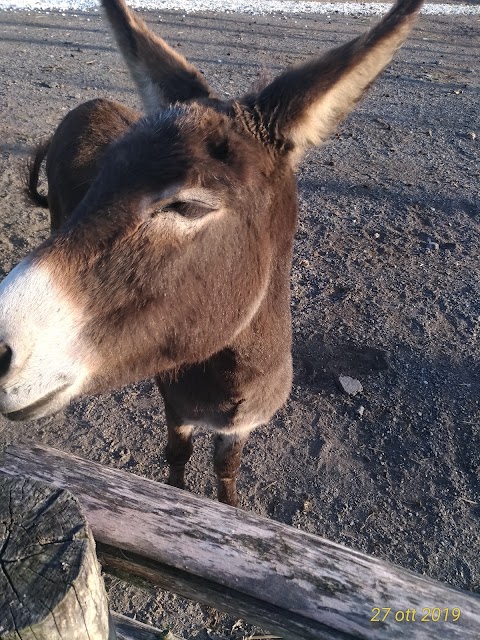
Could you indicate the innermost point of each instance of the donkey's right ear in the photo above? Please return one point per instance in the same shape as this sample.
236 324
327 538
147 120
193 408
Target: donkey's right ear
162 76
302 106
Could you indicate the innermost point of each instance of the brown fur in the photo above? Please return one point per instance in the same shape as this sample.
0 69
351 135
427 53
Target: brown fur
163 77
205 307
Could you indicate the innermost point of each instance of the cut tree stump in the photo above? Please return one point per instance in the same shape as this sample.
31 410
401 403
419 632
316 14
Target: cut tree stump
50 582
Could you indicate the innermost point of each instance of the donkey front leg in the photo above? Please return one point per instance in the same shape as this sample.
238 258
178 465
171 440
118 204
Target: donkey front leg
227 459
179 448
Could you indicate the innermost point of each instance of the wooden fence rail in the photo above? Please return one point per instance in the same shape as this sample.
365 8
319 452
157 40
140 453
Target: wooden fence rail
297 585
128 629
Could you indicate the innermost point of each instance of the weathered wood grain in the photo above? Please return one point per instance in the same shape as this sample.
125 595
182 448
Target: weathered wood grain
296 584
128 629
50 582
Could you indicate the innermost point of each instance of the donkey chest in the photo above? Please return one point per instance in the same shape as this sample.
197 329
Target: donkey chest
223 395
207 394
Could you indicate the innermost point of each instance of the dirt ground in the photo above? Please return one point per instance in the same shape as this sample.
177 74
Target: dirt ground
385 289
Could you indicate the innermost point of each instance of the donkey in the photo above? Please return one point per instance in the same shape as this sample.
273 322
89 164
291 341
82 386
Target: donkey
172 242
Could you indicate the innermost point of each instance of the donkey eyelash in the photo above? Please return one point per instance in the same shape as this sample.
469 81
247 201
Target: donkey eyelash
191 209
186 207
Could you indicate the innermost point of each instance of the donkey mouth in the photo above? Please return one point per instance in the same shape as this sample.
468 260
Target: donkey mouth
36 409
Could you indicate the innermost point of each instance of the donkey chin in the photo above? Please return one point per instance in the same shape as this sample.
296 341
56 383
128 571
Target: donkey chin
47 404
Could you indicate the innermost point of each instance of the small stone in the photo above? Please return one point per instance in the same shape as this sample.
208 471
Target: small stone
349 385
472 135
307 506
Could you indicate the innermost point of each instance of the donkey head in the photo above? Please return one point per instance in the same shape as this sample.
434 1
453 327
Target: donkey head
180 241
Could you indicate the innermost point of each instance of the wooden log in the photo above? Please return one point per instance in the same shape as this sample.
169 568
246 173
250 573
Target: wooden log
298 585
50 582
128 629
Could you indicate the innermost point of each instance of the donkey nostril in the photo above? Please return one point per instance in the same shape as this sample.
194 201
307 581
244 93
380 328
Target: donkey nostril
5 358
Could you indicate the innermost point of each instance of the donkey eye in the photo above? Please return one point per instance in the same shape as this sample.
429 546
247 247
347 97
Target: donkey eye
189 203
188 208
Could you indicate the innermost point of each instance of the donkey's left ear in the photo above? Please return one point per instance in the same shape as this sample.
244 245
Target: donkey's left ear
302 107
163 76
